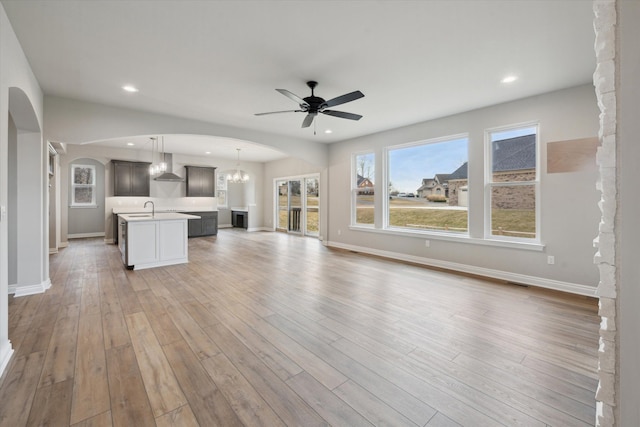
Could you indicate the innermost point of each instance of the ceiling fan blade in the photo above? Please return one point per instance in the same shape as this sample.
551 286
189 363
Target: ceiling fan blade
293 96
278 112
342 114
308 120
343 99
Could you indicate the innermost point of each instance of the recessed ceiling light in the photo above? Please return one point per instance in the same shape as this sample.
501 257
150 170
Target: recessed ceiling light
328 131
130 88
130 143
509 79
207 152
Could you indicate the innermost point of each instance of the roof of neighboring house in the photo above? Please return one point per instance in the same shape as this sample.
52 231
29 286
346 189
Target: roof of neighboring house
363 180
442 178
514 153
460 173
508 154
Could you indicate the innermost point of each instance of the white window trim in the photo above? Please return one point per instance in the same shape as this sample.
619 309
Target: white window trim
489 184
93 203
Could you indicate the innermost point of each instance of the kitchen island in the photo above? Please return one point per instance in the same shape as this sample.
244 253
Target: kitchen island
150 240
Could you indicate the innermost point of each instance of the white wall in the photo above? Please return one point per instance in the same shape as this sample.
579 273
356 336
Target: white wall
569 200
77 122
16 78
627 229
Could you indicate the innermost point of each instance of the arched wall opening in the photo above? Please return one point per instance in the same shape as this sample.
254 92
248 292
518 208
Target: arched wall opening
27 201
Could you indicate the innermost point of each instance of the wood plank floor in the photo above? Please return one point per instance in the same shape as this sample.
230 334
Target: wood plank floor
268 329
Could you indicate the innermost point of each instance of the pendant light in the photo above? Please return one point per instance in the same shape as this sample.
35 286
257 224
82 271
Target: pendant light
239 176
159 166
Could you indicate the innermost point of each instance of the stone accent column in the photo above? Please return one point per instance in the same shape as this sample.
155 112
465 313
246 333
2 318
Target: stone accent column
605 84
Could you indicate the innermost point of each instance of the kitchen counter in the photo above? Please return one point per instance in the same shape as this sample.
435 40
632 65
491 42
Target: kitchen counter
119 211
147 240
159 216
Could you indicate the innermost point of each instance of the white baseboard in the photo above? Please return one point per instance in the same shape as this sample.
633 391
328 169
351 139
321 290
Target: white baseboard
225 226
6 350
83 235
573 288
24 290
109 241
53 251
259 229
63 244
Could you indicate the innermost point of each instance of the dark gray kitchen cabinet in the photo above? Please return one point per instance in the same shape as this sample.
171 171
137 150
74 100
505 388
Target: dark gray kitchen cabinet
130 178
201 181
207 225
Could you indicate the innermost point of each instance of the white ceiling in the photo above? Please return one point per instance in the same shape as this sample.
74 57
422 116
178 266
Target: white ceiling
221 61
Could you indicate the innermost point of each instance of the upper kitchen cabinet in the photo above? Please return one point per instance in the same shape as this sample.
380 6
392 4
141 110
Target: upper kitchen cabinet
201 181
130 178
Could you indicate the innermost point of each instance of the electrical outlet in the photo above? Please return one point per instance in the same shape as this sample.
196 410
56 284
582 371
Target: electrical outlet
427 243
551 260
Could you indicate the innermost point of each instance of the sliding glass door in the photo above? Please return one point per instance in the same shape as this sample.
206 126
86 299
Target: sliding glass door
312 203
297 205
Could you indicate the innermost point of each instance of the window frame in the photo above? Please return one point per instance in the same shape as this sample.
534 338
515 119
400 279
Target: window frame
93 186
387 179
489 184
355 189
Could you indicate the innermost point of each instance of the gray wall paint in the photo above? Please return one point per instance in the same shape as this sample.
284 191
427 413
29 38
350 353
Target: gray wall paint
627 229
569 200
88 220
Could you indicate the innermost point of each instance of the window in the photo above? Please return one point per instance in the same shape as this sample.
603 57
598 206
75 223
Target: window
83 186
424 185
221 189
363 188
512 184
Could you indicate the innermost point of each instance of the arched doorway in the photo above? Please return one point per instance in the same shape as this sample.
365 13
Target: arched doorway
24 210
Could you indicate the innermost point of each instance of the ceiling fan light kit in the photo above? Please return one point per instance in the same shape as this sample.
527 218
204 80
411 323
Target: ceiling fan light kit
314 105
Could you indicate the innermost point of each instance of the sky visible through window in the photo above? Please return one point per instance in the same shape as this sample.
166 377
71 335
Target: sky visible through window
409 165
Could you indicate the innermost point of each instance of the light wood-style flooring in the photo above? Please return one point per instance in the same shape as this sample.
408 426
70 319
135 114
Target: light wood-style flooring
269 329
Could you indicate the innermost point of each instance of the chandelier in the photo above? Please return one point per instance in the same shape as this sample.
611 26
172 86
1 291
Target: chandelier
239 176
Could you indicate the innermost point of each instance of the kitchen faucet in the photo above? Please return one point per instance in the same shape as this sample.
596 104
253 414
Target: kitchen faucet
153 207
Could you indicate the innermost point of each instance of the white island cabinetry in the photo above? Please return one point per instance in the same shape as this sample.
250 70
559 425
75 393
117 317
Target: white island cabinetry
154 240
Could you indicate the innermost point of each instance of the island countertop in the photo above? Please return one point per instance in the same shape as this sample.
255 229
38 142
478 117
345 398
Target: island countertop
120 210
161 216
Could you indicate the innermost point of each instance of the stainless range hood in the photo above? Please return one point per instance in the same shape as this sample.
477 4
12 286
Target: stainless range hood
169 176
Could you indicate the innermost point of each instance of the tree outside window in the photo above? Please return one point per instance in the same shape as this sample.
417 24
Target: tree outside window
363 188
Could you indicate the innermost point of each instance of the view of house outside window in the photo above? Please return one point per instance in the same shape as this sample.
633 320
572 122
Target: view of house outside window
363 188
83 185
427 187
512 184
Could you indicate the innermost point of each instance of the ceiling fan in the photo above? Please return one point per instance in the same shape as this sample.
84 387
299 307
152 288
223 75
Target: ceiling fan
312 105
